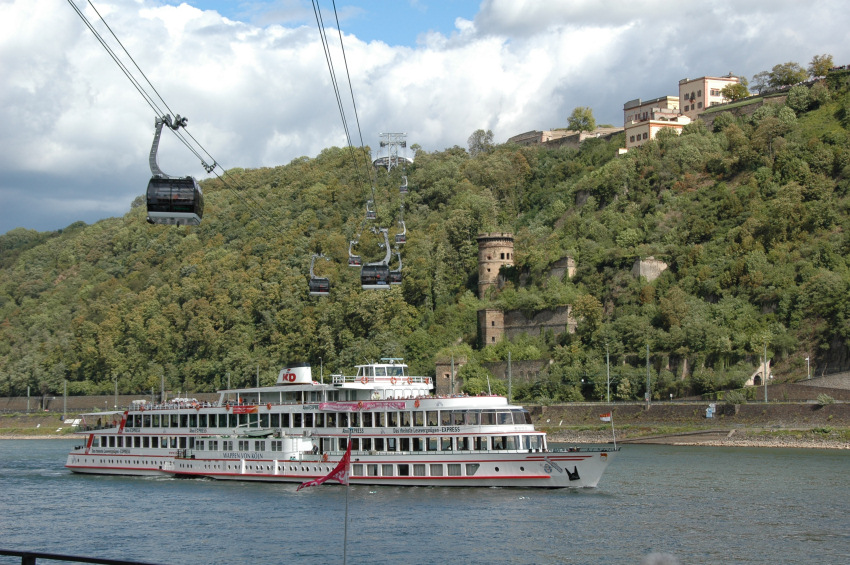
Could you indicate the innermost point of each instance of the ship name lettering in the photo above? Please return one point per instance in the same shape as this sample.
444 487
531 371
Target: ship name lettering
241 455
197 430
132 430
450 429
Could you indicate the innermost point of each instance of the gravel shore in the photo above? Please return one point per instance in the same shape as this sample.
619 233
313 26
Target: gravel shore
735 438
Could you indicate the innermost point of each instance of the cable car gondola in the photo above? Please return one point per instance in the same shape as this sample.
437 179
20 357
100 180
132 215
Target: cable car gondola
371 214
376 276
353 260
319 286
401 238
172 200
395 276
403 187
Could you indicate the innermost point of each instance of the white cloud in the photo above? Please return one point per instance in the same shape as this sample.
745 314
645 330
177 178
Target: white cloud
259 94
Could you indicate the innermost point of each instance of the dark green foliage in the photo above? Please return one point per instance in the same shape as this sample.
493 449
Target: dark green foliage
751 219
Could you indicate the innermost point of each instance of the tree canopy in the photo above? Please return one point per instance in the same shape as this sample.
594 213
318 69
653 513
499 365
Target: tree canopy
581 119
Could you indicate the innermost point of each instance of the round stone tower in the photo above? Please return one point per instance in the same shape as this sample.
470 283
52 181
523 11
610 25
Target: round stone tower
494 250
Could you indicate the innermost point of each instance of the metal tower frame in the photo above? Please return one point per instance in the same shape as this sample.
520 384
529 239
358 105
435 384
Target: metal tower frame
392 141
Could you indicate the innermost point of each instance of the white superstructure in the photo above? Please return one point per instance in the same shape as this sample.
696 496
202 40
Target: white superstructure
299 429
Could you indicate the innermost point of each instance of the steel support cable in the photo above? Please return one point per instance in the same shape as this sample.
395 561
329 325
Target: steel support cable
256 208
335 84
372 178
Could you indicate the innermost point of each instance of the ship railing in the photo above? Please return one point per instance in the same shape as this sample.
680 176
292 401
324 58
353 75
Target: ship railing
31 558
387 380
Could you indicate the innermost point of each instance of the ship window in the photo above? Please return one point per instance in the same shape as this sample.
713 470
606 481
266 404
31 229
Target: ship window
296 420
202 420
137 441
433 444
214 445
453 469
418 470
498 442
175 421
403 470
391 444
418 444
184 420
243 419
232 420
471 469
330 420
308 420
146 441
436 470
445 443
342 443
120 441
431 417
284 420
156 420
372 470
463 444
191 443
182 443
488 418
404 444
95 441
193 420
367 444
227 445
504 418
357 469
387 470
405 419
458 416
480 443
473 418
445 417
367 420
344 420
146 420
355 444
419 419
264 420
379 444
154 441
511 442
392 419
522 417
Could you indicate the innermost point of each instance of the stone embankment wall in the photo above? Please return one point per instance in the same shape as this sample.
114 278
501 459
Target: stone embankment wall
657 413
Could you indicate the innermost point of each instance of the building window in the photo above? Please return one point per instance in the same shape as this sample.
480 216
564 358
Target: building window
632 139
699 104
503 256
645 135
493 324
687 108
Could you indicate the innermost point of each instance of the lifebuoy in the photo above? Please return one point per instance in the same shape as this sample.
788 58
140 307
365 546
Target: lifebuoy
324 457
227 406
360 405
409 381
393 380
269 405
364 380
198 407
416 404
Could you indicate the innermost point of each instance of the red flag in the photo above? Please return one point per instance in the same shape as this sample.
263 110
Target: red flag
340 472
605 417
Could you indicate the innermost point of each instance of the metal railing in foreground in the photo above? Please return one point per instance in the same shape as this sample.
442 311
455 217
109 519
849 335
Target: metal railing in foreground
31 557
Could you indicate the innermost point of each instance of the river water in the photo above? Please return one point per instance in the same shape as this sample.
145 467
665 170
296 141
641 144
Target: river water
699 504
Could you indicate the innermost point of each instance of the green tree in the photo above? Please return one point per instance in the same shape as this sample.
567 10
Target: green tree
734 91
786 74
820 65
581 119
761 81
480 142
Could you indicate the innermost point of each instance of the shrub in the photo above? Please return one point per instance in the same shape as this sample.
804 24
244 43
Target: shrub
824 399
734 397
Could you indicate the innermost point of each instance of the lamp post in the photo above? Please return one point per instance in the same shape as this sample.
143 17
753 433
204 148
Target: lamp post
808 371
115 380
764 372
608 363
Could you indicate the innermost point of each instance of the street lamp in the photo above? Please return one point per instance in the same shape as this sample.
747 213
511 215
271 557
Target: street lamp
608 363
808 372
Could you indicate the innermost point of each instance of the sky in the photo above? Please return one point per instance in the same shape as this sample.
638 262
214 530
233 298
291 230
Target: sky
252 79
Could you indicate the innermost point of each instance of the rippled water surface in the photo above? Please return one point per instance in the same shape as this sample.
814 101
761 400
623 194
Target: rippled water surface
701 504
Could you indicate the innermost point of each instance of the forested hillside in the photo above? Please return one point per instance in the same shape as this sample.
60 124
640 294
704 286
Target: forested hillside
751 216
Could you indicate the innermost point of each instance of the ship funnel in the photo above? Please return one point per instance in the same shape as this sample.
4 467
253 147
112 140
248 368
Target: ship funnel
295 374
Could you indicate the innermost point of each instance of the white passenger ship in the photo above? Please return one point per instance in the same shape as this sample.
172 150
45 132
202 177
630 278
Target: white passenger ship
299 429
